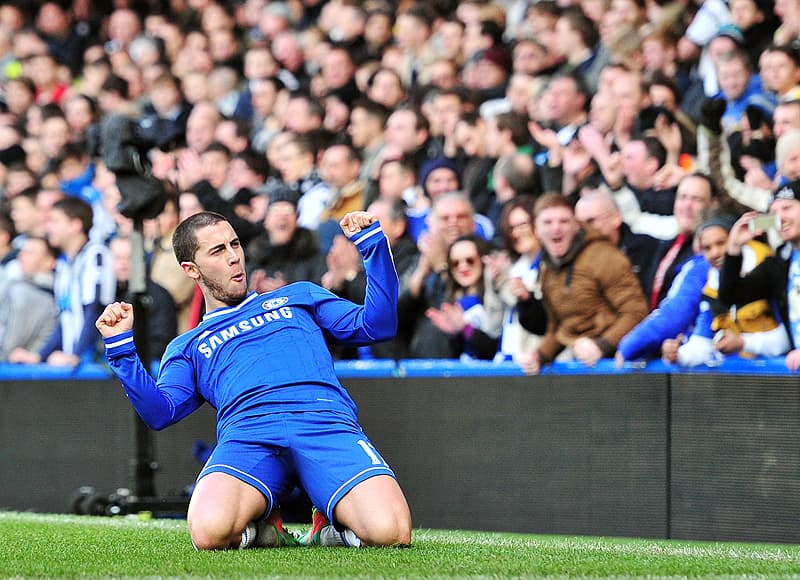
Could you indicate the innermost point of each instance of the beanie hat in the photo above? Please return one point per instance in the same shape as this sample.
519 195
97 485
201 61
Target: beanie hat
723 221
432 165
790 191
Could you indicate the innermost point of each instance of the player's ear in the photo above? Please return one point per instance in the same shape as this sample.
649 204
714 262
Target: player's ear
191 270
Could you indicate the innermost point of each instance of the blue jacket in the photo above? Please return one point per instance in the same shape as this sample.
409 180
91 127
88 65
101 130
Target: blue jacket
675 313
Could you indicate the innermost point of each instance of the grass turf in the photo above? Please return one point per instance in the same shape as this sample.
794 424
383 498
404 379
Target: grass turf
69 546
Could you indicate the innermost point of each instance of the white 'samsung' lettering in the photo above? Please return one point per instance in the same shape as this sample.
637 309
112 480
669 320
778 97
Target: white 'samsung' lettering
217 339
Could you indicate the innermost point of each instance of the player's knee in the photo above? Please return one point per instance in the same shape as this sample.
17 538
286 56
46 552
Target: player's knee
388 531
209 535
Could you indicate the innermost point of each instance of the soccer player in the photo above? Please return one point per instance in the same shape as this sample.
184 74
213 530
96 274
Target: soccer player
283 418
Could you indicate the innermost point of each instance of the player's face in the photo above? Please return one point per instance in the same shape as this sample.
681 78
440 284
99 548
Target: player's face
220 265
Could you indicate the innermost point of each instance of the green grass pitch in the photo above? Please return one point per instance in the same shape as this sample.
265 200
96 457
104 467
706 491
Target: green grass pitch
52 546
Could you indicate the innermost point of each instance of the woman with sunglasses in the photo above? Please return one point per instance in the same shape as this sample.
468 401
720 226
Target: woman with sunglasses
461 315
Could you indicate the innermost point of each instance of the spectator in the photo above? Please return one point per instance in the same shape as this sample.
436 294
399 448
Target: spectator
518 290
267 97
161 314
695 197
751 330
407 134
81 112
598 210
287 51
578 44
165 270
20 95
340 167
25 215
591 294
471 140
367 121
234 133
397 181
513 175
691 309
564 105
640 162
529 56
44 72
54 22
337 75
8 252
84 283
446 107
780 70
776 278
451 217
740 88
28 313
386 88
461 314
286 252
297 166
201 126
492 72
164 119
76 174
758 24
412 31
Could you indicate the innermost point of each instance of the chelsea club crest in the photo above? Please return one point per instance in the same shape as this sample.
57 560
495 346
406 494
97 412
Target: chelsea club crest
274 303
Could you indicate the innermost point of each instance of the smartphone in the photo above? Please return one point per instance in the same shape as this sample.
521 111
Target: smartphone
763 222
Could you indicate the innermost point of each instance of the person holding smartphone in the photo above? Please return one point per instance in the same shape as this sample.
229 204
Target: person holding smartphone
777 277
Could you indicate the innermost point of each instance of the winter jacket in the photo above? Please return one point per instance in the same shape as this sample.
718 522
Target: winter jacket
590 292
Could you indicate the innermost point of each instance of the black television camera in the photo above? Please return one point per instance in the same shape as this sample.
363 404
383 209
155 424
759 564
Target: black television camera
123 144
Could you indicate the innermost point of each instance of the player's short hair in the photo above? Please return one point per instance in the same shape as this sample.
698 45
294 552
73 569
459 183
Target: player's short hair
184 240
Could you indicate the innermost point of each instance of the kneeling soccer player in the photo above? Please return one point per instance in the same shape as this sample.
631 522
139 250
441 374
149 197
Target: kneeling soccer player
262 362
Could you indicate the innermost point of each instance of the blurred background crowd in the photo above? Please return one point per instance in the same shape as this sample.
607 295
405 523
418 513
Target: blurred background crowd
558 179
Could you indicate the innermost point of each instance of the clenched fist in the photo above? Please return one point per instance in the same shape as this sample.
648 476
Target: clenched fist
115 319
355 221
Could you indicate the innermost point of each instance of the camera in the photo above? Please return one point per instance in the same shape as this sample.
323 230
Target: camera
123 146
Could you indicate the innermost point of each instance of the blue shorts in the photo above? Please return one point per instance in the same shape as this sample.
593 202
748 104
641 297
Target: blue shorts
325 452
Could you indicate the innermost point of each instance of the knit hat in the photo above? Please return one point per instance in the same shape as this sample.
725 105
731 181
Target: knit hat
723 221
432 165
731 31
281 192
790 190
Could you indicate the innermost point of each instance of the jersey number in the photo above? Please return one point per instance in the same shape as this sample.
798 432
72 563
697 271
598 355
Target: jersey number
370 451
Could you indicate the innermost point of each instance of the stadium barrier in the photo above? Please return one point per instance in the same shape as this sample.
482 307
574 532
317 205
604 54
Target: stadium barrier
644 451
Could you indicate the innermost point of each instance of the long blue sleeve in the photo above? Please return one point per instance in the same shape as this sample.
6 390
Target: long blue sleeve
158 404
376 320
675 313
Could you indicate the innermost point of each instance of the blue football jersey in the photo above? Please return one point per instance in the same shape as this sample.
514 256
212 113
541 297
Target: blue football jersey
267 354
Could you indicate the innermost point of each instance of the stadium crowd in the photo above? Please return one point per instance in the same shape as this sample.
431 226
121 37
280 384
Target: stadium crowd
558 179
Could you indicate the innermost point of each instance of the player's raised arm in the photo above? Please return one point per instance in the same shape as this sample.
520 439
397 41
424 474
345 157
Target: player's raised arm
116 318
